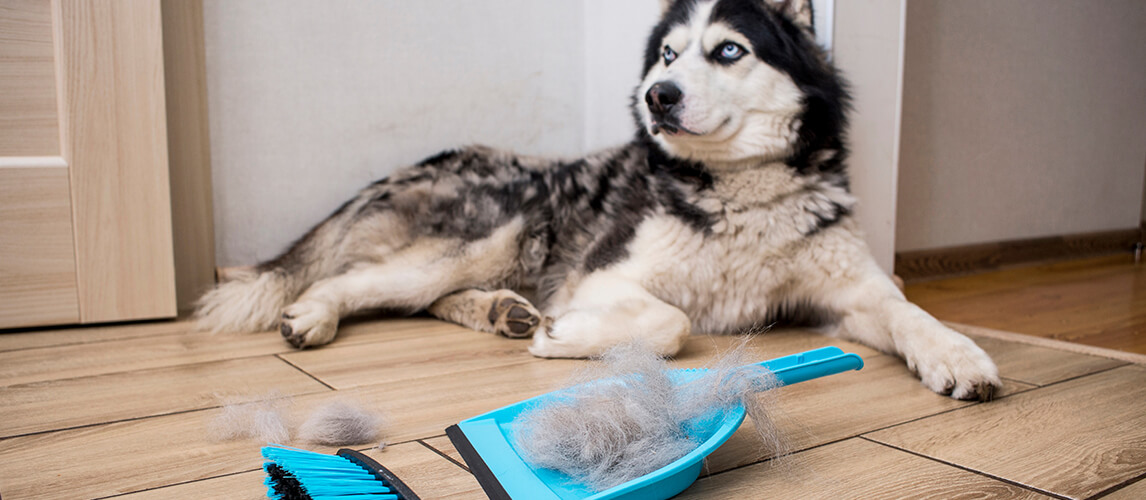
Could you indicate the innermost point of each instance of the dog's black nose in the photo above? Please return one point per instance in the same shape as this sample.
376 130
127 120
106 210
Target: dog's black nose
662 96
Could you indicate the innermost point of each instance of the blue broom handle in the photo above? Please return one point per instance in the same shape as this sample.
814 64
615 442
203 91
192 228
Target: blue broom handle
812 364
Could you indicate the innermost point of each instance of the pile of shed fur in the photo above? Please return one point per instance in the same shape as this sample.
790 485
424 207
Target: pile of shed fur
605 433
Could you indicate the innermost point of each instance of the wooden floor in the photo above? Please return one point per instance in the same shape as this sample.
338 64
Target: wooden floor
124 411
1099 302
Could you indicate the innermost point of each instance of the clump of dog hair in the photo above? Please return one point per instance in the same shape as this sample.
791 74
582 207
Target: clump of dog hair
603 433
341 423
260 419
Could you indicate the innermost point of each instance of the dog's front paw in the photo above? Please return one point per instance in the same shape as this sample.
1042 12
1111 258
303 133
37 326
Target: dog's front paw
956 367
512 316
308 324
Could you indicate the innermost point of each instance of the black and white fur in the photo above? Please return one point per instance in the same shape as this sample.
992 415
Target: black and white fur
729 210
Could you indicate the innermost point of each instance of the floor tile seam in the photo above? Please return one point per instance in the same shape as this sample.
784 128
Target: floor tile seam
1115 488
146 417
784 456
1000 398
89 342
424 377
969 469
443 455
150 368
862 434
304 372
181 483
1085 375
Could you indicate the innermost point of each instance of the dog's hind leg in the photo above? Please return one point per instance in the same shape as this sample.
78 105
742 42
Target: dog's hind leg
605 310
503 312
409 280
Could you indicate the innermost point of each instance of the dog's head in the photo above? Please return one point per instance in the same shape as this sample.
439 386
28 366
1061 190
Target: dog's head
735 81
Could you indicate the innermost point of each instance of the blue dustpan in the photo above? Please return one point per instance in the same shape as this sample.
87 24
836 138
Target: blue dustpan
485 442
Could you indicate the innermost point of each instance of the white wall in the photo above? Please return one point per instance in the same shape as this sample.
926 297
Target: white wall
1022 119
615 36
869 50
311 100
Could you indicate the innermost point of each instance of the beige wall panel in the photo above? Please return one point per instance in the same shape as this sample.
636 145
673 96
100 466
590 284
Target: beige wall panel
37 262
1021 119
28 125
116 143
189 149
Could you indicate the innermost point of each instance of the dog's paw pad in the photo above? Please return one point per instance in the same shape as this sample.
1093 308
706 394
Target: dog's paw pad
513 317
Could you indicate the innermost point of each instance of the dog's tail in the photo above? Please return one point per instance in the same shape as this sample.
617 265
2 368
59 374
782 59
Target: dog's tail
252 299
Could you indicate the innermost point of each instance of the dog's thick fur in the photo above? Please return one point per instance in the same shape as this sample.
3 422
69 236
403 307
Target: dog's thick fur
729 210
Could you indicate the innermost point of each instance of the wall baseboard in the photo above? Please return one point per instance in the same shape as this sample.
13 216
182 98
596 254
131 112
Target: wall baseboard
918 265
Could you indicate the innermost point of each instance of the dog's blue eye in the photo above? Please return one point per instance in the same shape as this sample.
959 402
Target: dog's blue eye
729 51
669 55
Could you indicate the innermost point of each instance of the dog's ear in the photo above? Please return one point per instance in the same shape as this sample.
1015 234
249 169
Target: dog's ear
799 11
666 5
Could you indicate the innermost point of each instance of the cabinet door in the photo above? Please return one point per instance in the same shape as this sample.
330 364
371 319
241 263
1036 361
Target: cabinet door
82 92
37 251
37 257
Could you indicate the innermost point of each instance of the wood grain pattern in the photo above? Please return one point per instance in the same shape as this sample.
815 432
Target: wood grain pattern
1099 302
145 399
124 457
1041 366
241 486
1074 439
854 468
414 349
1135 491
28 111
45 406
189 149
37 260
32 338
110 344
424 405
143 353
1058 345
115 140
395 361
176 448
421 469
426 473
945 262
813 413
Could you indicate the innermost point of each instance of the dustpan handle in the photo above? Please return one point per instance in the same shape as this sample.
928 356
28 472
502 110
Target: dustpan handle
812 364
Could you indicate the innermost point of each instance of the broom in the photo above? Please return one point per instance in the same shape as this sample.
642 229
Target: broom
294 474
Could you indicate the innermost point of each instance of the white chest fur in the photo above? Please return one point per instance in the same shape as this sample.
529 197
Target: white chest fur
733 276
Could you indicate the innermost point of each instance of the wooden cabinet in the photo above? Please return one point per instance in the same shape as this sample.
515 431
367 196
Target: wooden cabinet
86 198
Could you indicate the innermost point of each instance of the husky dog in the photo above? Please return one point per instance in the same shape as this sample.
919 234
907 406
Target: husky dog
729 209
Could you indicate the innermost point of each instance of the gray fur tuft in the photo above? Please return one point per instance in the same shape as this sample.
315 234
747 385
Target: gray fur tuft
262 420
341 423
605 434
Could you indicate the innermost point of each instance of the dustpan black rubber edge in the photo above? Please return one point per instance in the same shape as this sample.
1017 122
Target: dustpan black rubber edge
380 472
493 488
